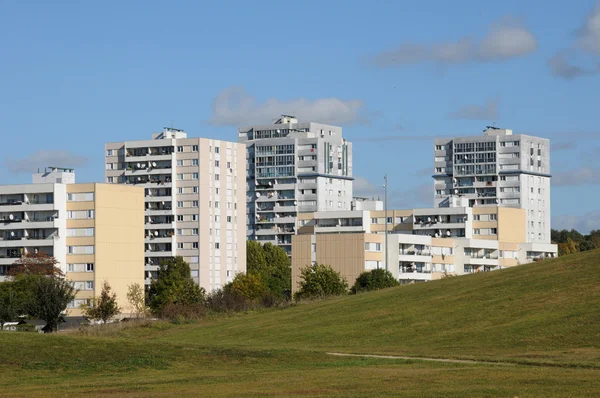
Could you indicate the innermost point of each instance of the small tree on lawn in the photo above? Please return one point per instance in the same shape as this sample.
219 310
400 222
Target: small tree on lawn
137 300
374 280
251 286
12 303
278 273
46 297
319 281
174 285
104 307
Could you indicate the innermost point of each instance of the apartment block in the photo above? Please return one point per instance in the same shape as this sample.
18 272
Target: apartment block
292 168
95 231
498 168
195 202
424 244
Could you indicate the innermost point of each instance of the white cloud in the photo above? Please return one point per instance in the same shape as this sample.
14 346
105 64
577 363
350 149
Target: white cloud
580 176
41 159
589 33
583 223
233 106
488 111
565 63
505 39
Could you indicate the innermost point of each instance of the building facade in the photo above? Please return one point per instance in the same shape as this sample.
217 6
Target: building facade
195 204
292 168
424 244
95 232
498 168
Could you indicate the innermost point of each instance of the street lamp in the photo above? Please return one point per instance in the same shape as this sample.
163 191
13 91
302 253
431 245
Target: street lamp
385 185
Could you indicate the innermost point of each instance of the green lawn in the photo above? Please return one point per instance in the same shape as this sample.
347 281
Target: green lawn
543 317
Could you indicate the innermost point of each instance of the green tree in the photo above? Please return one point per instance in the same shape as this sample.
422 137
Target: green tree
105 307
278 272
12 303
586 245
251 286
174 285
318 281
137 300
46 298
374 280
256 262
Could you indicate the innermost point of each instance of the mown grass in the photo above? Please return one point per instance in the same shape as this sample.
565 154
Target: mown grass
544 313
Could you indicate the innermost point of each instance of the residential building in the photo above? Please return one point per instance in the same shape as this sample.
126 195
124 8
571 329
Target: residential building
292 168
498 168
194 201
424 244
95 232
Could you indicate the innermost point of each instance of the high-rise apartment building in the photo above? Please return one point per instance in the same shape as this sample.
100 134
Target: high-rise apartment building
95 232
293 167
498 168
195 203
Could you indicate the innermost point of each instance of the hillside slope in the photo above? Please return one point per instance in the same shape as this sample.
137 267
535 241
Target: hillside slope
546 311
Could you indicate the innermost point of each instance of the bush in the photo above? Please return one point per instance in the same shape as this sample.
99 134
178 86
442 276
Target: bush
228 301
251 286
319 281
374 280
180 313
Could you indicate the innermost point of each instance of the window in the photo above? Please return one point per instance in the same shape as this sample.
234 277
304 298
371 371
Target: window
494 231
194 245
476 231
194 203
180 176
493 217
195 273
195 149
89 267
217 245
438 147
216 177
179 231
216 204
77 232
80 249
217 218
228 218
194 231
228 165
194 162
180 190
373 221
80 214
399 220
180 217
179 149
372 247
313 247
179 162
194 176
109 166
180 245
194 260
476 217
110 180
216 149
180 203
195 190
194 217
80 197
216 163
109 152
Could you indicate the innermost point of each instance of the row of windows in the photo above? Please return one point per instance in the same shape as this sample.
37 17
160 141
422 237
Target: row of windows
83 285
78 232
485 231
80 249
485 217
85 267
80 214
80 197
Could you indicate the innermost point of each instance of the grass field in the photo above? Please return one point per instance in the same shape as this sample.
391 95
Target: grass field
544 318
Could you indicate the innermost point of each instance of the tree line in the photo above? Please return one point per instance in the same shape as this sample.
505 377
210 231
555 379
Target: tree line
570 242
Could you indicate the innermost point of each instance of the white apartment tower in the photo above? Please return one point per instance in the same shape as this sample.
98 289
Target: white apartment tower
194 201
498 168
293 167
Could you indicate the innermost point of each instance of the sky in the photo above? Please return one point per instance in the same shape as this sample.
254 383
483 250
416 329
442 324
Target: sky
393 74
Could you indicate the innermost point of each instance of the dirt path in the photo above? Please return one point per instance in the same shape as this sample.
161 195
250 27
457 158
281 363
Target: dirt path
421 359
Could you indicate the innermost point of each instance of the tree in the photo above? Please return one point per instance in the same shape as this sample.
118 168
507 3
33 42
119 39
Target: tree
105 307
256 262
318 281
174 285
46 298
278 272
137 300
12 303
35 264
251 286
374 280
586 245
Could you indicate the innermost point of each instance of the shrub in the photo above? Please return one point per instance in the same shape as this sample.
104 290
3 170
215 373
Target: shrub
180 313
374 280
251 286
228 301
319 281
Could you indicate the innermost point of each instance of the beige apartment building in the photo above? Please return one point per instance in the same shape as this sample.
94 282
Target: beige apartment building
195 201
424 244
95 232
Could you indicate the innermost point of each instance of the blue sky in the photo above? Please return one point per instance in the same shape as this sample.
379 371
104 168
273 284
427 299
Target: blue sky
394 74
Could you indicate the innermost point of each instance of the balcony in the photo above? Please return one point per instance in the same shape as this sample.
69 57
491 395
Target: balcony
160 225
338 228
265 231
286 230
158 253
285 209
285 220
413 257
475 260
416 276
162 238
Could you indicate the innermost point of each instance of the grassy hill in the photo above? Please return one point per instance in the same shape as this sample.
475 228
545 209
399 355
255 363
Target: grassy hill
546 313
